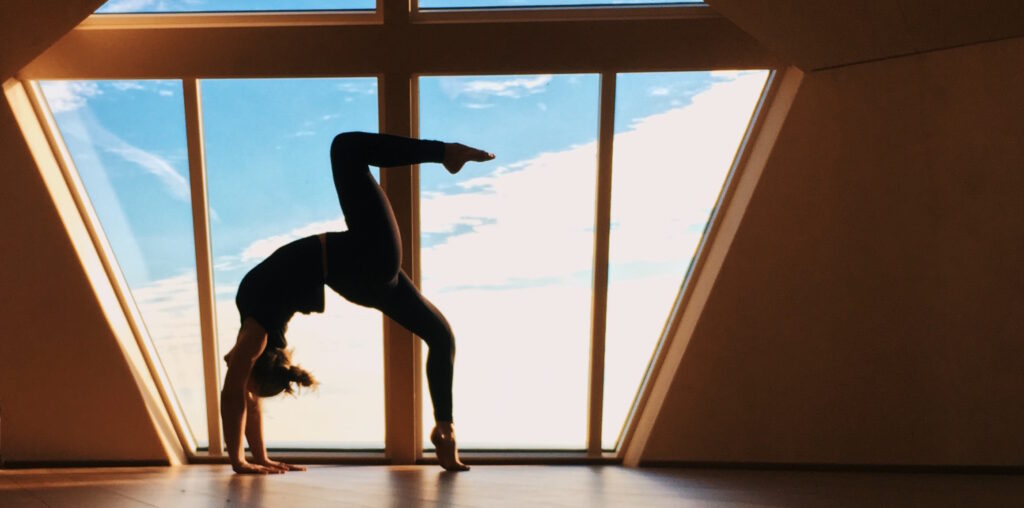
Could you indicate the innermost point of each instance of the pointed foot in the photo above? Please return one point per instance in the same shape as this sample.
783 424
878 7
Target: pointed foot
457 155
447 451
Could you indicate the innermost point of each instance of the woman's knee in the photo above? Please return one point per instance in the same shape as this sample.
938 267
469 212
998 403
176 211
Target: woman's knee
441 340
345 145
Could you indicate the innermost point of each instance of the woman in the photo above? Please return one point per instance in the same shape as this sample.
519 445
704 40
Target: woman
363 265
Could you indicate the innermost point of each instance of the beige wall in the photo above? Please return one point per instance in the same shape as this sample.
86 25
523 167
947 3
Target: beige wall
871 310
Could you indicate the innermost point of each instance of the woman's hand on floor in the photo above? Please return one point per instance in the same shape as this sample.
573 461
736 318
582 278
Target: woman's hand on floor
249 468
280 466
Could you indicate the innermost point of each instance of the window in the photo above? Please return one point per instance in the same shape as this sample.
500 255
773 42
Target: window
447 4
269 179
127 141
506 253
170 6
675 138
506 248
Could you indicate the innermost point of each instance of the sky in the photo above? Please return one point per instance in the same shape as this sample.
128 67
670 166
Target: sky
507 245
127 6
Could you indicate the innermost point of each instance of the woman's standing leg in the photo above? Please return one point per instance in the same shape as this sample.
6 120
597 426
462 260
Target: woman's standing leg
404 303
408 307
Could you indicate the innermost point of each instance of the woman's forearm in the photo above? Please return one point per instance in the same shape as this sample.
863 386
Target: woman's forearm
232 413
254 430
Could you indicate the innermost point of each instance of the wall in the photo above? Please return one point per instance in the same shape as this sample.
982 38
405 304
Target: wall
871 308
812 34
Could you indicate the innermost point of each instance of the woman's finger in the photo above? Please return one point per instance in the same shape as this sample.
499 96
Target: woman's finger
250 469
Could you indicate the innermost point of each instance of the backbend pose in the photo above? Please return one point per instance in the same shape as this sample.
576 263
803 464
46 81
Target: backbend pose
363 265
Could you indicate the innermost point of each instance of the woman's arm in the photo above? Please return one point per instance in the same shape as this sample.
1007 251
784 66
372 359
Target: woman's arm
254 428
254 435
252 339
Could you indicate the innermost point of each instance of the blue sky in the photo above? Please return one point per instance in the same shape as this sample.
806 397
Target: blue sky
122 6
507 245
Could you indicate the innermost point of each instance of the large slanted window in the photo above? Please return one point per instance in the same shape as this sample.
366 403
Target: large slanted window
127 140
171 6
676 135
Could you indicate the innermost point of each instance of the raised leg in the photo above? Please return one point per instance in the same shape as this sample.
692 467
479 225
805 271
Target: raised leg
364 204
376 243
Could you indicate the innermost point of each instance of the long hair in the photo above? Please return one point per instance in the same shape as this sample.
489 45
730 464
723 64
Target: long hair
274 373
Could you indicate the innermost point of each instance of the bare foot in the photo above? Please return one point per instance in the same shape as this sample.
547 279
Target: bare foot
443 438
457 154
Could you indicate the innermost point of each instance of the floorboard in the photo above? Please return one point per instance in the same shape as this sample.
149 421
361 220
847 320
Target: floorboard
201 486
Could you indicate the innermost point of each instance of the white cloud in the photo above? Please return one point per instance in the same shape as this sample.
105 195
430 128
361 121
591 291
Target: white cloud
170 310
262 248
123 86
115 6
66 99
725 74
154 165
659 91
65 96
734 74
513 87
302 134
359 86
669 168
477 105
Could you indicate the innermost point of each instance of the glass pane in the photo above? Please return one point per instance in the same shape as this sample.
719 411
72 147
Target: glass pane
127 140
507 250
676 135
447 4
268 166
138 6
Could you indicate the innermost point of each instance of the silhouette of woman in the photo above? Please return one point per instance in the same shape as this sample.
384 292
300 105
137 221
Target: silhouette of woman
363 265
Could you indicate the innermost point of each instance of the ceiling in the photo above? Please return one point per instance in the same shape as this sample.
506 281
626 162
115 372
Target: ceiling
814 35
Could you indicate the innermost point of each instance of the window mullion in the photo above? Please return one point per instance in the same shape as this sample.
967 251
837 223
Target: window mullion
204 265
599 303
401 349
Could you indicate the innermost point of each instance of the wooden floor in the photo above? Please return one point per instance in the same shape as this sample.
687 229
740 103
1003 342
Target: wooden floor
519 486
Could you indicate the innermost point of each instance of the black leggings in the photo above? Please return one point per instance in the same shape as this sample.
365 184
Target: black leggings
364 263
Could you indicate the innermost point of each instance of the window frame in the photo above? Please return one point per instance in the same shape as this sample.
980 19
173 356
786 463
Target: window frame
398 72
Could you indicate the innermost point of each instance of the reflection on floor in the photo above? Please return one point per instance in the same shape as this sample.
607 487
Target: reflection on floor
519 486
